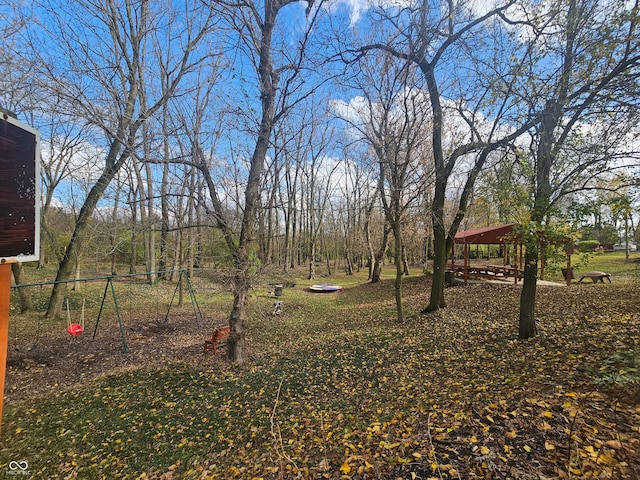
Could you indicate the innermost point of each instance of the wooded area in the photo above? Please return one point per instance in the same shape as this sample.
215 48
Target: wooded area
278 133
334 387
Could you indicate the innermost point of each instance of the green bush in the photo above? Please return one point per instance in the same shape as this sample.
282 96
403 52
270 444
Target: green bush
588 245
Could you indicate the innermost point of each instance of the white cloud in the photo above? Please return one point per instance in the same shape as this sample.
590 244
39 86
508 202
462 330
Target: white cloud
359 7
353 111
79 162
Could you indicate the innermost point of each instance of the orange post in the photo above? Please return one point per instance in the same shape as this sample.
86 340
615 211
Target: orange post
5 294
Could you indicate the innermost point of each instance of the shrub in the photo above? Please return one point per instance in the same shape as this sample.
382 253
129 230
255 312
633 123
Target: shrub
588 245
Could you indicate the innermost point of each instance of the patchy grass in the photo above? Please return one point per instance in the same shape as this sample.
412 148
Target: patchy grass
615 263
336 388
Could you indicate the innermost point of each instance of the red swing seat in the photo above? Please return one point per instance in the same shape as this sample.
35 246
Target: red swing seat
75 329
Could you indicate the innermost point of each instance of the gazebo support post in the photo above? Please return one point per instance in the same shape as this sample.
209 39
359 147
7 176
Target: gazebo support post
521 257
466 263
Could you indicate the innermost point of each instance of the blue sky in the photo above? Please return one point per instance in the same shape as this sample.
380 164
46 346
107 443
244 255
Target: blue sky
237 88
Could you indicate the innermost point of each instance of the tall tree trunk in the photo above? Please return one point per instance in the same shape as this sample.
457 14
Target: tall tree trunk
436 300
527 326
378 259
312 260
237 350
191 216
133 258
24 293
76 274
370 251
405 262
348 252
82 223
113 233
198 261
546 155
626 236
164 199
177 255
259 28
399 269
150 243
142 207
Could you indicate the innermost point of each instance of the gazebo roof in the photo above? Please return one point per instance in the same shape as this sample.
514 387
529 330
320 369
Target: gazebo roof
489 235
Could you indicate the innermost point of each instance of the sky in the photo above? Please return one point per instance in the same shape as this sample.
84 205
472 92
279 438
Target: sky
243 91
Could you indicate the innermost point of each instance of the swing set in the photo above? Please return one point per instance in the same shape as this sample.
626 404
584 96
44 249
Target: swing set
77 328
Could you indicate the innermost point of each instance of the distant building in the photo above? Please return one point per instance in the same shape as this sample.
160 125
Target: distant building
622 246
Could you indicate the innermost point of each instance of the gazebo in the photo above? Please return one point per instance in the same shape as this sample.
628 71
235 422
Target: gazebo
497 235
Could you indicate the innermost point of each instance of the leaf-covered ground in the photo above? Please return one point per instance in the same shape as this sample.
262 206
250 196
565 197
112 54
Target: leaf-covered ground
337 389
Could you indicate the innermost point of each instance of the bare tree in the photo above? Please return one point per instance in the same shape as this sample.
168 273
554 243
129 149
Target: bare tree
397 123
317 185
288 195
255 25
16 92
356 190
592 92
63 148
100 66
434 39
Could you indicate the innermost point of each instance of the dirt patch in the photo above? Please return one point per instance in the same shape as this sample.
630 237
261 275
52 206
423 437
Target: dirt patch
58 361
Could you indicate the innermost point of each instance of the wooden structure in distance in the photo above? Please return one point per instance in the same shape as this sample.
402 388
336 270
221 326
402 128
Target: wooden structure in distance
498 235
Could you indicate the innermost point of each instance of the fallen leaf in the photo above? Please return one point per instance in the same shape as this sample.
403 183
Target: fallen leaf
616 444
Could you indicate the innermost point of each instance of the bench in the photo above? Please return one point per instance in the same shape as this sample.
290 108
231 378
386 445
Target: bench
596 277
219 334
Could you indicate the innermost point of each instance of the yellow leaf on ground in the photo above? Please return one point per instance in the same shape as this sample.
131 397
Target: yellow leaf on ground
345 468
605 459
549 446
544 426
484 450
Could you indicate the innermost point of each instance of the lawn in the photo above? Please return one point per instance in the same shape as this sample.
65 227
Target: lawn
336 388
614 263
